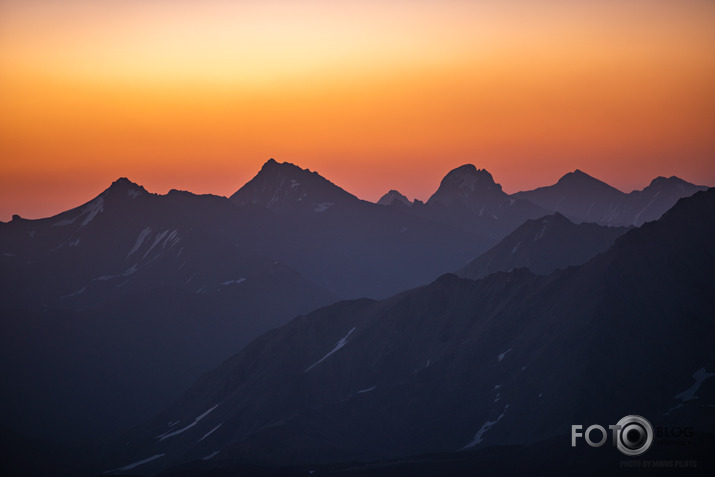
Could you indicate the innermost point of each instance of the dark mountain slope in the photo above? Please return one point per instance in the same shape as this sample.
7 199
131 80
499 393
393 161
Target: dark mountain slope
393 197
127 241
352 247
544 245
115 306
510 359
286 187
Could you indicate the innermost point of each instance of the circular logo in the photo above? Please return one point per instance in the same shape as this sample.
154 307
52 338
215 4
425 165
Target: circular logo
634 436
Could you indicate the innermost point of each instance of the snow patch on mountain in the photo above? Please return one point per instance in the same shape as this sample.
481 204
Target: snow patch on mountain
689 394
636 219
366 390
502 355
140 240
157 239
187 427
341 342
130 271
232 282
78 292
64 222
210 432
323 206
92 209
135 464
478 437
165 238
211 455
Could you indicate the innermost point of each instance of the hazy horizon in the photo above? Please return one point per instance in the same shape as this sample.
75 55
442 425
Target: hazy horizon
100 188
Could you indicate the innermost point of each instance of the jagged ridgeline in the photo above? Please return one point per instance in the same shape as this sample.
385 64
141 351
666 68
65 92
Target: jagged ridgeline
112 310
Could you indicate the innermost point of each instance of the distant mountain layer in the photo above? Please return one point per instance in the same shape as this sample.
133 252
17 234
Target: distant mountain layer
468 197
351 247
286 187
514 358
585 199
542 246
131 296
128 298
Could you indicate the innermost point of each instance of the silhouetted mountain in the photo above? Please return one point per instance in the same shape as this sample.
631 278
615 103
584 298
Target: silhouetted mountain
459 364
650 203
583 198
90 296
127 241
471 187
286 187
469 199
351 247
392 197
542 246
108 276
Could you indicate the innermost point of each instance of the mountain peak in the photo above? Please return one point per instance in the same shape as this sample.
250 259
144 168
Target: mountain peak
392 197
582 183
123 182
284 186
124 186
464 183
273 166
577 177
470 174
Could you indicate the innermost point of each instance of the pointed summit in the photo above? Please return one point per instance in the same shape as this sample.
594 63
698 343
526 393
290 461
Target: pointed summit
284 186
578 178
393 197
578 196
124 186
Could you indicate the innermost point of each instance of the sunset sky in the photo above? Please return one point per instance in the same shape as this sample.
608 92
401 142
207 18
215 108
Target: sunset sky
374 95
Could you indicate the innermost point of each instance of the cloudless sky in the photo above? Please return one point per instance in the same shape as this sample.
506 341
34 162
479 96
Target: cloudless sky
374 95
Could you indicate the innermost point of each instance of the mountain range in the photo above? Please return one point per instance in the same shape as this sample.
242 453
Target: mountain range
583 198
117 306
510 359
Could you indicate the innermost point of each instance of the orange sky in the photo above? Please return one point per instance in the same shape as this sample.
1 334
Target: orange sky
374 95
